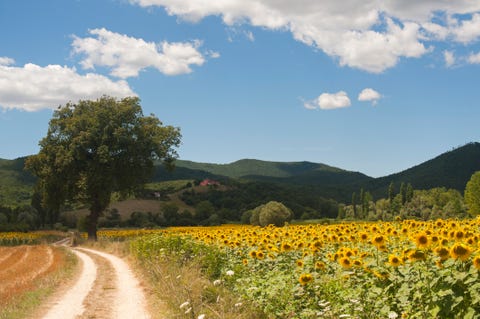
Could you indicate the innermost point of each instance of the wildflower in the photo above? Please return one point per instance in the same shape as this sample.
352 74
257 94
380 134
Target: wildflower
217 282
202 316
238 305
230 273
305 279
392 315
460 251
185 304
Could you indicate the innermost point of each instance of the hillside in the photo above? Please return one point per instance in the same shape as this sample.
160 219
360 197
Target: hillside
451 170
16 184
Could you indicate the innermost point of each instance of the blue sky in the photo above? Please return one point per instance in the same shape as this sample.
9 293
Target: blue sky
361 85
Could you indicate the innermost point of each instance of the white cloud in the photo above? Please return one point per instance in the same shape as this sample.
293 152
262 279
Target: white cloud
369 94
468 30
329 101
5 61
250 36
449 58
370 35
33 87
474 58
127 56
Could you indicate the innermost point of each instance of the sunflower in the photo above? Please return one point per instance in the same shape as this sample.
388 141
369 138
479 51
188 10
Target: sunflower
245 261
422 240
442 252
394 260
460 251
320 265
260 254
305 279
476 262
299 263
415 255
253 254
378 241
286 247
345 262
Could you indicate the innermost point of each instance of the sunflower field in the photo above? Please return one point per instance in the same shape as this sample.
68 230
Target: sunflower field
399 269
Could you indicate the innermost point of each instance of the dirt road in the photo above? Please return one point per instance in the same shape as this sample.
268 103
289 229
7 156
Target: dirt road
106 288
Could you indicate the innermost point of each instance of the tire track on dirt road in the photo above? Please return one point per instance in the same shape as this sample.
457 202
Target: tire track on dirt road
105 289
71 303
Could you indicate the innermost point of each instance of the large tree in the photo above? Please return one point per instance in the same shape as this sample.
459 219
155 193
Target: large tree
472 194
96 147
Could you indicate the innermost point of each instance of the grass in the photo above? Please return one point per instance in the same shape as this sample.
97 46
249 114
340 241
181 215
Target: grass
26 303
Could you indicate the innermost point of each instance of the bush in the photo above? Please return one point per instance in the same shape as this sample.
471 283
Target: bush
274 213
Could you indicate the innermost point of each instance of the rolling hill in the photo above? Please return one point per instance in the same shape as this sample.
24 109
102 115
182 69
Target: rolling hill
451 170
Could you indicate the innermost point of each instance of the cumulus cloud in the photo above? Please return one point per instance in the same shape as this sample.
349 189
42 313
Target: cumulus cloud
33 87
127 56
368 35
329 101
474 58
4 61
449 58
369 95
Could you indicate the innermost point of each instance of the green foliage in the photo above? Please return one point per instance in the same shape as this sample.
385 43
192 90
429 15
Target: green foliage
272 213
181 250
95 148
472 194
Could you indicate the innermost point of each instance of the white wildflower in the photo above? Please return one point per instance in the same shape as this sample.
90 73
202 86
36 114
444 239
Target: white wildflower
230 273
344 316
238 304
185 304
217 282
392 315
202 316
188 310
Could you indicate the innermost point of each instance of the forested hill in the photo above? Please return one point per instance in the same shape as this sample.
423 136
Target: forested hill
451 170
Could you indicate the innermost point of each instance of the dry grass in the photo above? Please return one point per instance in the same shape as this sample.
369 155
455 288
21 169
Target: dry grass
168 285
173 285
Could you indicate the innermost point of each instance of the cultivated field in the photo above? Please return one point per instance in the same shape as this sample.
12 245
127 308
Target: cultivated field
22 267
400 269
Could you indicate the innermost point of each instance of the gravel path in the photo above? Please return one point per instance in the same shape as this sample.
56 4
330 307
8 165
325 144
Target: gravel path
105 289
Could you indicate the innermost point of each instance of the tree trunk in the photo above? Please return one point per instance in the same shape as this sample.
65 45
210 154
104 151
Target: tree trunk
92 220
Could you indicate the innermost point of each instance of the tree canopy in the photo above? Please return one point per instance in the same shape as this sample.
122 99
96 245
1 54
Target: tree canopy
96 147
472 194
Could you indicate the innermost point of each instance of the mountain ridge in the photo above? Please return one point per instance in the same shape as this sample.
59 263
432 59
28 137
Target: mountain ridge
451 169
